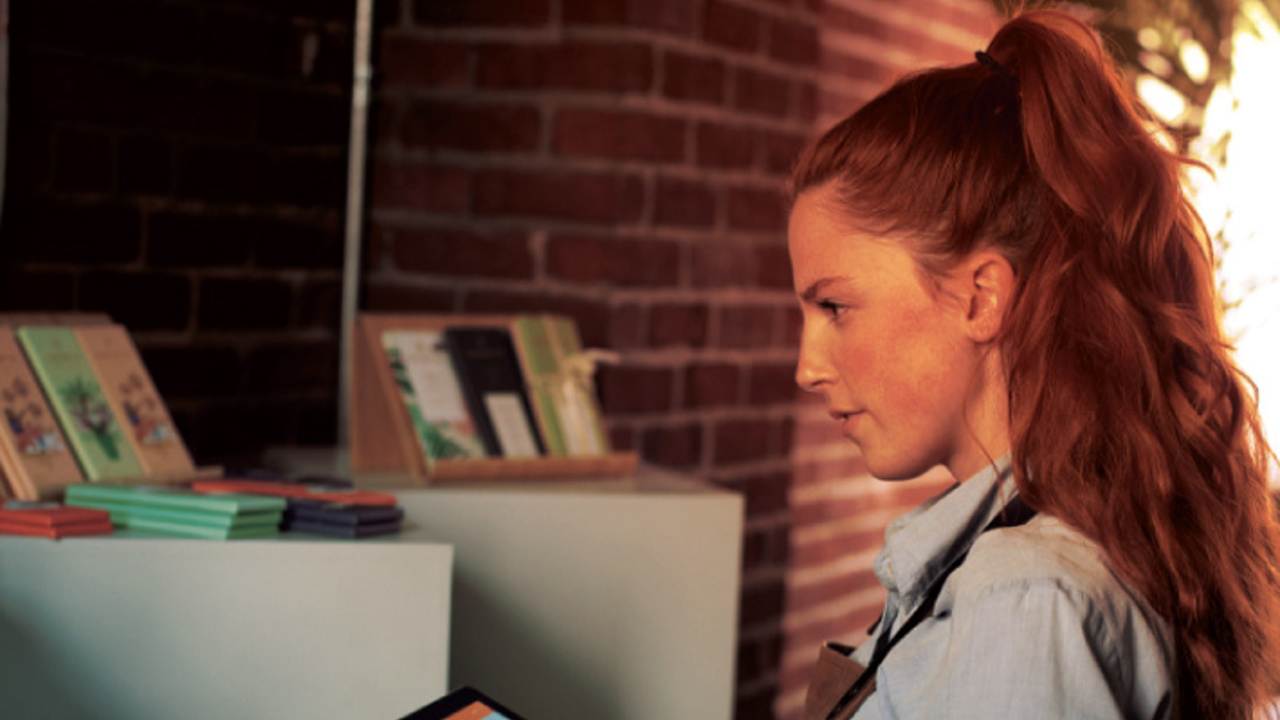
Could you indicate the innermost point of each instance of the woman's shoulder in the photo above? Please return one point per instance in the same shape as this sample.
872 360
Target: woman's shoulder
1044 556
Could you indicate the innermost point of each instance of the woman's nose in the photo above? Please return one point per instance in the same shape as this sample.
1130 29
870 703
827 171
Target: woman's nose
812 370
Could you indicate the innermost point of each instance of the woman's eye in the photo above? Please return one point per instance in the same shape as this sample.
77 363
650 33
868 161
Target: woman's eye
832 309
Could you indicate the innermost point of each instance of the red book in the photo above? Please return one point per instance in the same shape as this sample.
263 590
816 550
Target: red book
295 490
52 520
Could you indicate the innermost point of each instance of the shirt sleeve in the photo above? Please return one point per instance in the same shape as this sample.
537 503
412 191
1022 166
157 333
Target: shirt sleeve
1031 648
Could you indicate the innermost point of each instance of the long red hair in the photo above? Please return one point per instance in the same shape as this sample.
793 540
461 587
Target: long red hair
1129 419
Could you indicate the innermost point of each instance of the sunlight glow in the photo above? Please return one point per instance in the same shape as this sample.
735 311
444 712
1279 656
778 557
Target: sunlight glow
1240 143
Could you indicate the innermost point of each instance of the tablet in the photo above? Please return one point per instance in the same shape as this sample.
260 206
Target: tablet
465 703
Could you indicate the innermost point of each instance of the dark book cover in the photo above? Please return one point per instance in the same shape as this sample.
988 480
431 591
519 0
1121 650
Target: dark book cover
341 513
488 370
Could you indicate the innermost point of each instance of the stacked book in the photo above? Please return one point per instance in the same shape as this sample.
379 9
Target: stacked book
325 510
181 512
51 520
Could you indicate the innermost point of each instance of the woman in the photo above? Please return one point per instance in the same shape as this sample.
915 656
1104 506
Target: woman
999 272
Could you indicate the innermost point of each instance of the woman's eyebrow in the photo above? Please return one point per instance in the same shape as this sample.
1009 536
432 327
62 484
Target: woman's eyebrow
816 287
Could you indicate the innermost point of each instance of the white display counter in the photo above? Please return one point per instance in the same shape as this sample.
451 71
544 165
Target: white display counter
596 599
612 600
127 628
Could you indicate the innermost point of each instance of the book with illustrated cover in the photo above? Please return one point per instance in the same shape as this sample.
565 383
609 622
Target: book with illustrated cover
543 374
580 414
36 461
484 359
86 417
432 396
129 389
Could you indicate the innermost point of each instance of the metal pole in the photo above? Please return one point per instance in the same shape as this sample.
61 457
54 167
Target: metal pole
355 212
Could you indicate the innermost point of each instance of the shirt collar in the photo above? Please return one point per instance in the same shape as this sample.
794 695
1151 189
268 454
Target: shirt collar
922 544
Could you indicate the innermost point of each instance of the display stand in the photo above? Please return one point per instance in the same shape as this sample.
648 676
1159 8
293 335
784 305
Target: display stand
127 628
382 436
588 598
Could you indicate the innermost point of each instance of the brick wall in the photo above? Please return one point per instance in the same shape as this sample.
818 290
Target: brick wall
620 161
838 511
181 166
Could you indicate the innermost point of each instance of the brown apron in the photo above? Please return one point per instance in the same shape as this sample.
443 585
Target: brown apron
832 676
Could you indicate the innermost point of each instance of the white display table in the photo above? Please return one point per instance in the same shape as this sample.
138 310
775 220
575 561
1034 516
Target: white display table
604 599
132 628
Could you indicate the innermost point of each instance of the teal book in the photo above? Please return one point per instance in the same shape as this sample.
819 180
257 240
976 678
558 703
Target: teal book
164 527
123 513
165 496
95 433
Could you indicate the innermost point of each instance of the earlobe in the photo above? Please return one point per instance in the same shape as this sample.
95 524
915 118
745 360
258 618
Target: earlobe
991 283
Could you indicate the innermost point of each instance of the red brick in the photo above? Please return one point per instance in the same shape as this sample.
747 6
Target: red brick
806 107
683 203
746 326
741 440
711 385
593 66
415 62
855 68
473 127
764 494
772 384
626 327
624 262
761 92
733 26
382 297
758 659
677 446
721 265
780 151
678 325
622 438
792 326
754 208
481 12
594 12
766 547
619 135
762 601
773 267
463 253
589 197
725 146
437 188
630 390
793 42
693 78
674 16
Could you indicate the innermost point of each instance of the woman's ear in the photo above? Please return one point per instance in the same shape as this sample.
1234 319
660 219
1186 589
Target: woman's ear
989 283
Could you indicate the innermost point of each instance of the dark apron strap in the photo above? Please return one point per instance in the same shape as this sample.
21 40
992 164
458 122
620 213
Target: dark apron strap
1014 513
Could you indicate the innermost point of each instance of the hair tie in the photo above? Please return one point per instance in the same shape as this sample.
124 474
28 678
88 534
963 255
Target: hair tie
994 65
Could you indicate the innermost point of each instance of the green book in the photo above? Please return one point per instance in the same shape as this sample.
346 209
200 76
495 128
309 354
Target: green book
543 376
196 531
93 430
122 513
163 496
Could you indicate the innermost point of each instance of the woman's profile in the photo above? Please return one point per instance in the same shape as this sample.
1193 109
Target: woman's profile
999 272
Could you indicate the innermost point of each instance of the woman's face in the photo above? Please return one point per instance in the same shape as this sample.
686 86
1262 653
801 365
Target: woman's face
892 359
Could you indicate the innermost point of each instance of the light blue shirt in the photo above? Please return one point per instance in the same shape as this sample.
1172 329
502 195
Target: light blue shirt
1033 624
